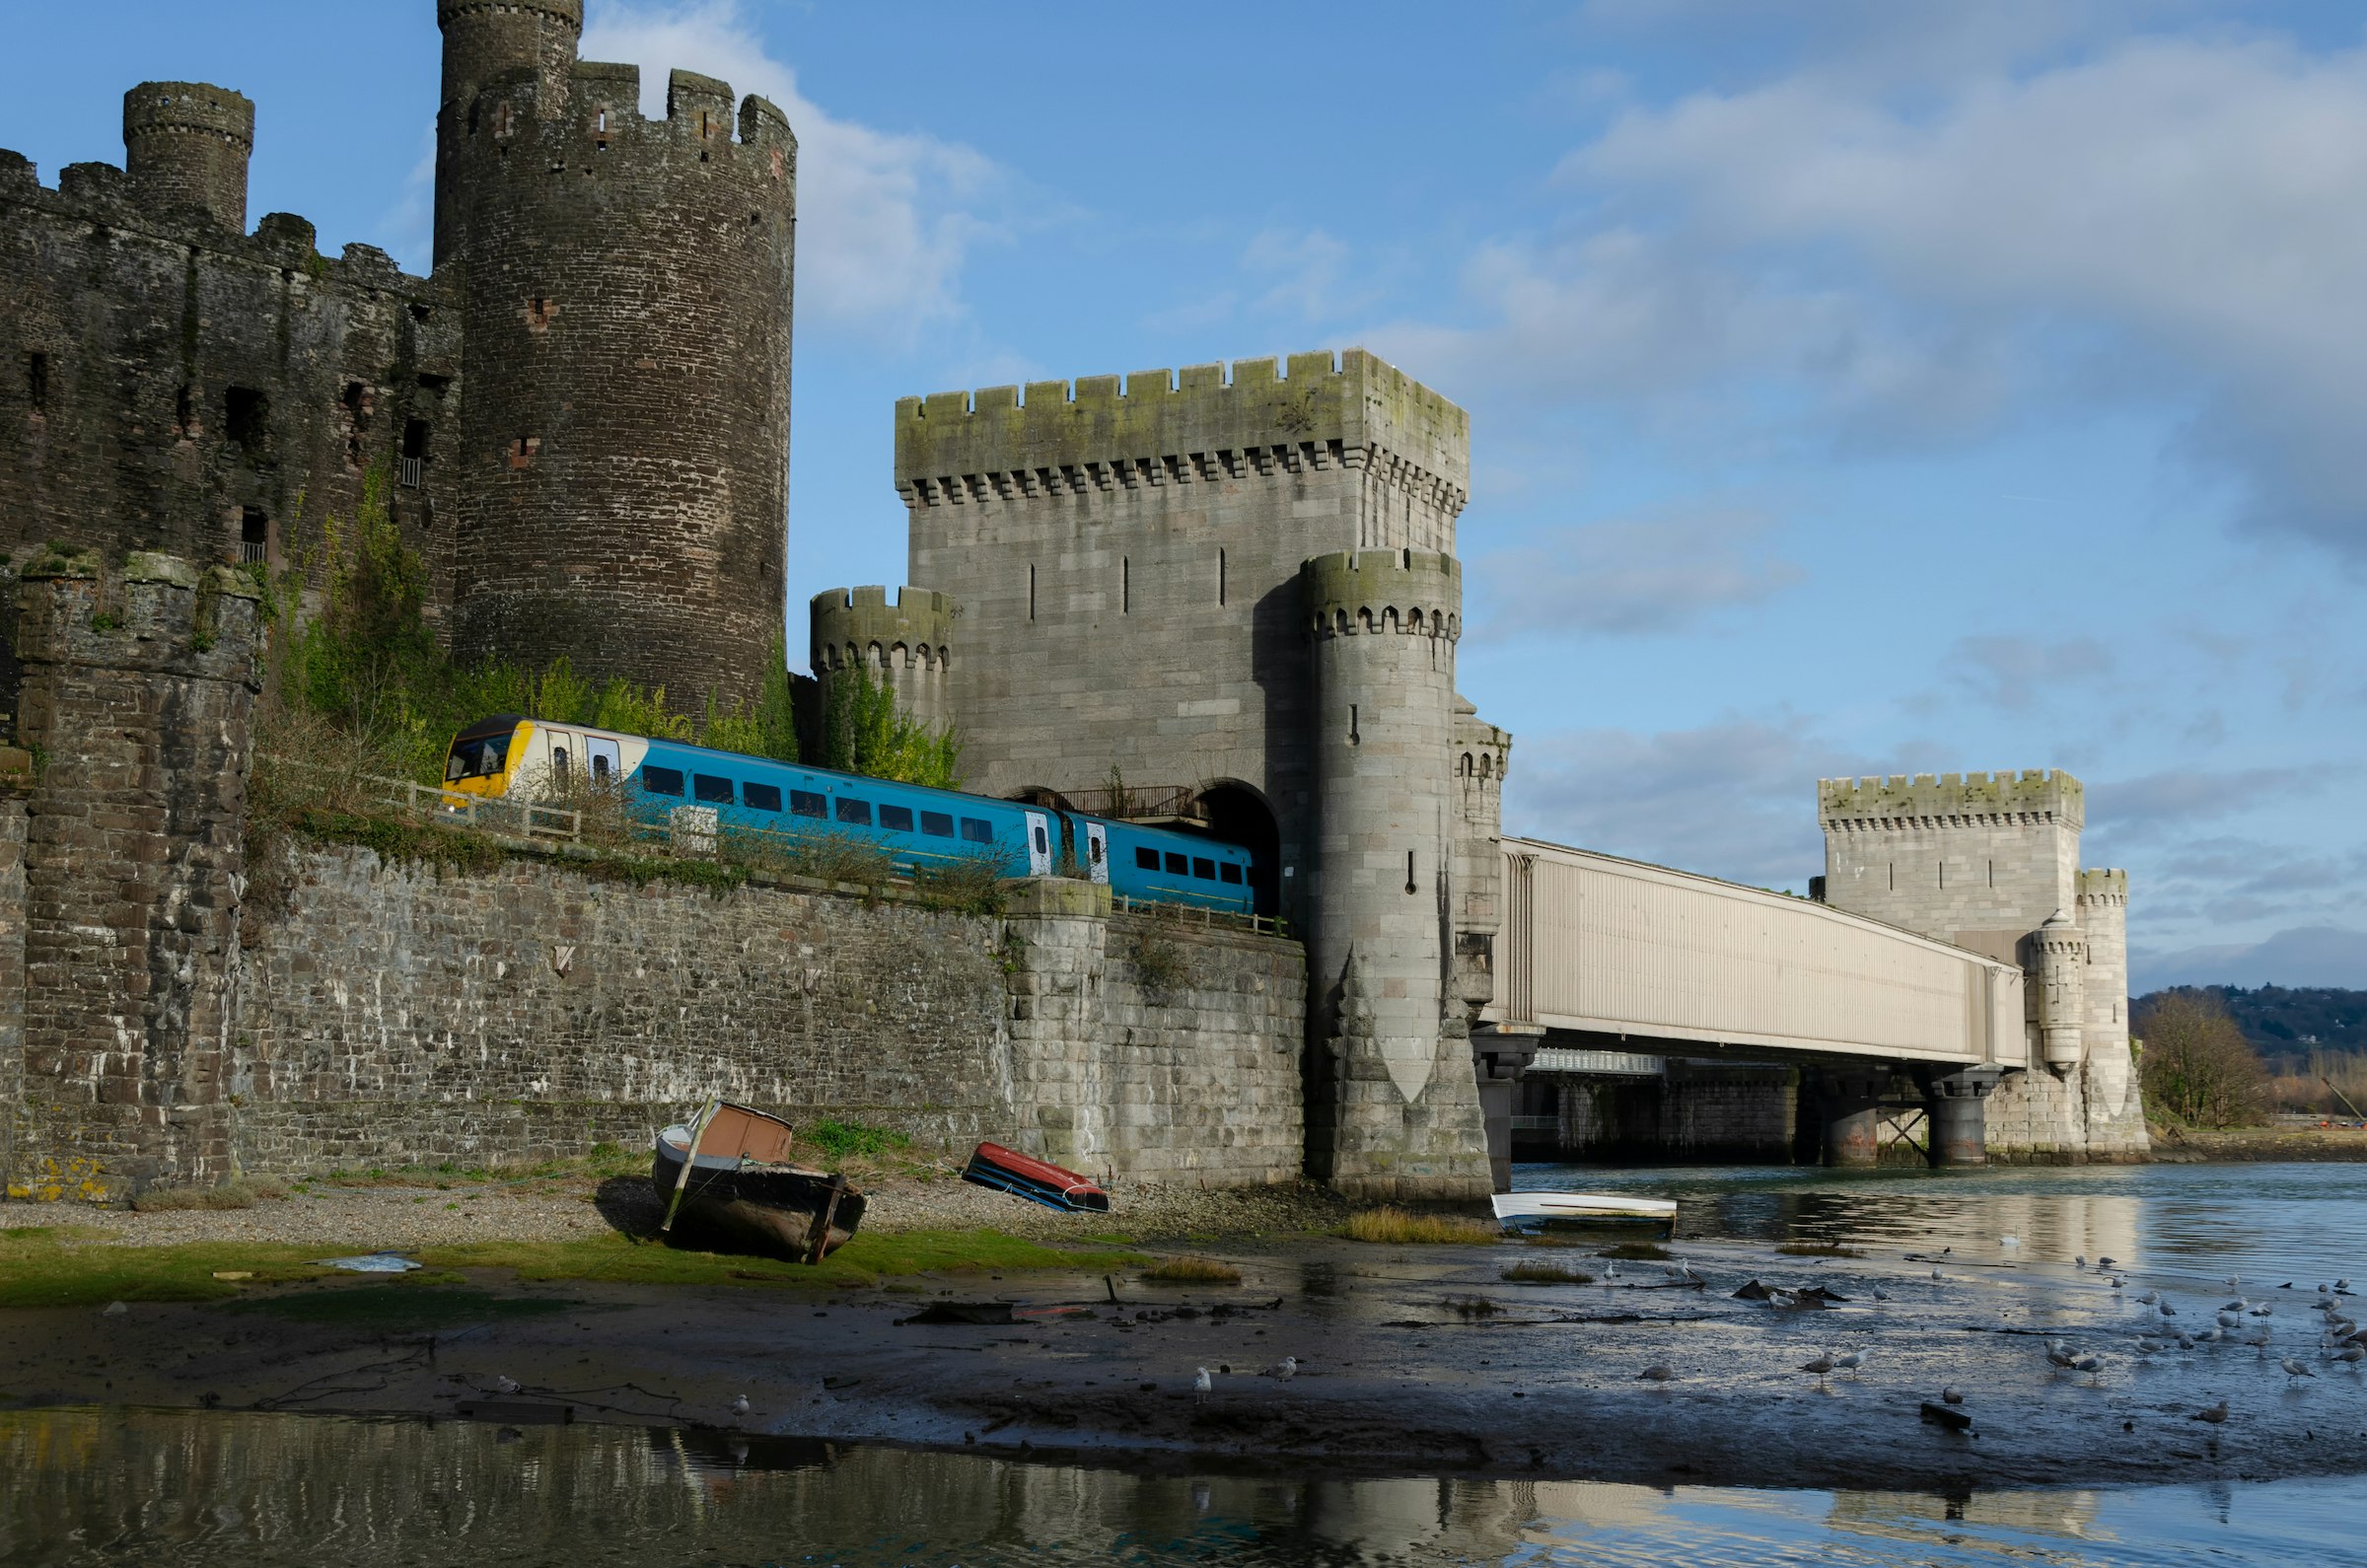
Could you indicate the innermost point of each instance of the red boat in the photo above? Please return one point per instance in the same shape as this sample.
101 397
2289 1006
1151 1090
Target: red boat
1037 1180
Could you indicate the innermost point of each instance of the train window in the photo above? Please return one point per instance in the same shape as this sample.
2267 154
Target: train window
976 831
714 791
559 763
937 824
481 758
854 811
1229 872
1146 860
1044 845
896 818
1178 865
760 797
805 803
1203 869
600 767
661 780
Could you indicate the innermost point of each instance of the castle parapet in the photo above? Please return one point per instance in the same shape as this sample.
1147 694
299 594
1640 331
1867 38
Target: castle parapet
187 146
1175 426
1929 800
157 613
1414 591
2104 886
854 625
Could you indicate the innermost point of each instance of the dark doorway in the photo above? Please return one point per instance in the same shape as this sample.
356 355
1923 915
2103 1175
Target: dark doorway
254 534
1238 815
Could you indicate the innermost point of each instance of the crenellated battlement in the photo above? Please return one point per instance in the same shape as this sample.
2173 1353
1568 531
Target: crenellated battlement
1197 424
1348 593
1483 751
853 626
155 612
1929 800
2104 885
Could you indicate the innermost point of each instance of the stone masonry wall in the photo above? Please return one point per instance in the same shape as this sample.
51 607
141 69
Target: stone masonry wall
392 1015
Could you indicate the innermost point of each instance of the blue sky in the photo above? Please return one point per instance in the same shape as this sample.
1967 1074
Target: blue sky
1855 387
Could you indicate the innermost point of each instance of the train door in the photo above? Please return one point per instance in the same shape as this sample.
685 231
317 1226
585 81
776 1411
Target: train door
1040 844
1097 852
600 757
563 758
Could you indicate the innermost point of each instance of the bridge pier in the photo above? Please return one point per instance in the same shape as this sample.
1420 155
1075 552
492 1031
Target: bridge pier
1956 1105
1500 1054
1849 1106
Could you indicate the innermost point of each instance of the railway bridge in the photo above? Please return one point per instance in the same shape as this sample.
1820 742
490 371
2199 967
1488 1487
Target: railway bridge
1952 961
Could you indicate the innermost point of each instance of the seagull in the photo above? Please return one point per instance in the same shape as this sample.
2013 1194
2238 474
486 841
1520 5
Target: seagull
2104 1266
2263 1309
2009 1241
1850 1362
1201 1383
2214 1413
2342 1285
2149 1298
2296 1370
2092 1365
1822 1367
2168 1311
1611 1269
2207 1336
506 1385
2120 1282
2081 1261
1880 1294
2231 1319
1658 1372
2185 1341
739 1404
1285 1368
1935 1274
1952 1395
2353 1354
2236 1306
2059 1356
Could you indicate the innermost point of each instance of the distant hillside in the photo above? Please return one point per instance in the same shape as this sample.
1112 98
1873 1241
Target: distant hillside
2282 1021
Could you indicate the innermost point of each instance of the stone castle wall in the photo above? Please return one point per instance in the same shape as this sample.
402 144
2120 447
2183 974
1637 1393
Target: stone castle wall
391 1015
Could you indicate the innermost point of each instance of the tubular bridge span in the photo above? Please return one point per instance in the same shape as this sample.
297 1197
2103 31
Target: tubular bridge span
1599 953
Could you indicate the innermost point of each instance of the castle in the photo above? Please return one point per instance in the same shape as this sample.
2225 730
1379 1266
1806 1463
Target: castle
1228 597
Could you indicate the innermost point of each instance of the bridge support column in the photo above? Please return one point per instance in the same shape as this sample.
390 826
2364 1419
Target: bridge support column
1849 1104
1500 1054
1957 1107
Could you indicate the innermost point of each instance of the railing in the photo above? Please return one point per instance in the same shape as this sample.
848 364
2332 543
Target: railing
412 472
255 550
1190 914
1140 801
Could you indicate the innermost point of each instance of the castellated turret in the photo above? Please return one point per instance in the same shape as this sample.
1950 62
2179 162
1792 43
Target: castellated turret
907 644
1401 1101
625 287
187 146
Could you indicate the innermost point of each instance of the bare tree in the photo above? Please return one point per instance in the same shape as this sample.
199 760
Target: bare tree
2197 1065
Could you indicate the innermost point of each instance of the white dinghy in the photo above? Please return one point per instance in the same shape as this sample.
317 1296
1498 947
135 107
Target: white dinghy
1520 1211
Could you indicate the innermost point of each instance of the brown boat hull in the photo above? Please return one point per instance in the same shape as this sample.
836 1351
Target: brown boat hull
764 1213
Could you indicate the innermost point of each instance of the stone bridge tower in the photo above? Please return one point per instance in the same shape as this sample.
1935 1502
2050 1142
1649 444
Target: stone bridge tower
625 291
908 645
1141 568
1990 862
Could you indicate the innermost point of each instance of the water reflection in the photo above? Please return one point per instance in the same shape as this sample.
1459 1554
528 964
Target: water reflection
105 1485
2266 1222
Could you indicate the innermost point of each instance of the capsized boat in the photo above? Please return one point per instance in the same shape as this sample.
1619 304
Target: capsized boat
728 1184
1525 1210
1039 1180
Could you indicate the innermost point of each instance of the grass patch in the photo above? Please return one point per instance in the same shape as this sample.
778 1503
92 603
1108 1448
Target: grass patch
1470 1308
1192 1271
1393 1225
865 1260
43 1270
840 1139
1636 1252
1530 1271
1817 1250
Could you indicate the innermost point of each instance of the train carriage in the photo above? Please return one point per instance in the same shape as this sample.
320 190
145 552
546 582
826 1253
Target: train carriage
509 756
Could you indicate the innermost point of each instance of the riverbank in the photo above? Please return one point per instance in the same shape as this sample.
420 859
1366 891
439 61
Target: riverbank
1410 1359
2256 1145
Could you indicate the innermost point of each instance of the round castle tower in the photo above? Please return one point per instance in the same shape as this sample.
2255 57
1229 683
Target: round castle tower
2104 916
907 644
1400 1113
2062 954
625 286
186 147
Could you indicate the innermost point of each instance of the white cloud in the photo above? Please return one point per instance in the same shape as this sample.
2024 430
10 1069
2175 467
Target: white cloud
2016 671
885 220
2300 956
1655 574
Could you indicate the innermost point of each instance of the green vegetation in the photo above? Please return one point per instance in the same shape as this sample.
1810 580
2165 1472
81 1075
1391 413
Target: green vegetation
1470 1307
45 1267
1192 1271
2285 1020
1533 1272
237 1195
839 1139
1817 1250
1636 1252
2198 1069
415 1304
1398 1227
864 732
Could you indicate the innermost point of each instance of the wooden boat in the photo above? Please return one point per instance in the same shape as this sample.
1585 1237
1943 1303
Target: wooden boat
728 1185
1524 1210
1037 1180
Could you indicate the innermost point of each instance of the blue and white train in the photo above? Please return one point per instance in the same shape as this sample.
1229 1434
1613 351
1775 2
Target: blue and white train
511 758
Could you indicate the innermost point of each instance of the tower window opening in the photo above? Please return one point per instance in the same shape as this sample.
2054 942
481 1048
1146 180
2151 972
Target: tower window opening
599 121
414 452
1126 585
1220 576
1354 739
1992 874
1031 591
254 534
1894 871
1410 886
37 381
245 414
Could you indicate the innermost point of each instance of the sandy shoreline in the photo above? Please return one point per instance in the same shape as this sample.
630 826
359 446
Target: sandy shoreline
1393 1378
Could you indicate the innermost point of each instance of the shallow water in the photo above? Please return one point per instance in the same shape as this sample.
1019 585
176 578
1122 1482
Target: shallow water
111 1486
2264 1223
